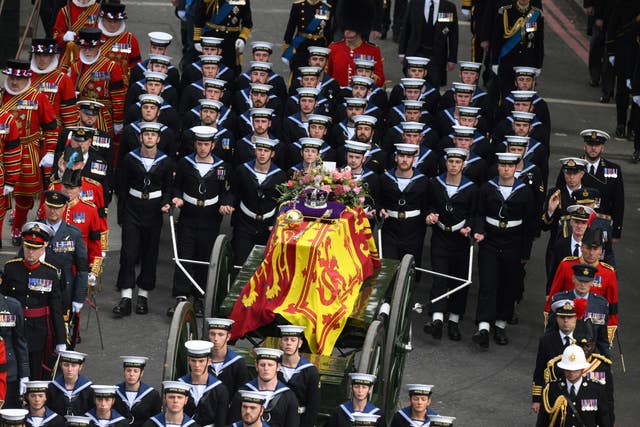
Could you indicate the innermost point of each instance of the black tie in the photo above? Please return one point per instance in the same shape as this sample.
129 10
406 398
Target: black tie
576 251
572 392
431 13
567 341
592 170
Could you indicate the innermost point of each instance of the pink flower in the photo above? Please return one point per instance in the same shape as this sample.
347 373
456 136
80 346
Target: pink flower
361 199
346 188
356 190
347 174
289 183
326 188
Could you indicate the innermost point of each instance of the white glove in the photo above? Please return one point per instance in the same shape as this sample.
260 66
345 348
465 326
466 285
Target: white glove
466 14
239 45
69 36
23 385
636 99
60 347
117 128
538 72
47 160
629 83
104 255
198 47
8 189
285 61
76 307
612 60
494 68
182 14
92 280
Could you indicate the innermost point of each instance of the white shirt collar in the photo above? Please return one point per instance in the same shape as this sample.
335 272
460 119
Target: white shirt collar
573 246
595 165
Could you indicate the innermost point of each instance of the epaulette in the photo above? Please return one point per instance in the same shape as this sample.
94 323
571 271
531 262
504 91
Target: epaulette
604 216
326 3
570 258
86 202
92 181
15 260
537 9
553 361
369 43
602 358
607 266
503 8
49 265
299 1
55 181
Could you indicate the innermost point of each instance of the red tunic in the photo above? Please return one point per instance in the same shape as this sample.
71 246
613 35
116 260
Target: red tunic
38 130
341 65
605 284
124 50
73 18
58 87
101 81
10 155
84 215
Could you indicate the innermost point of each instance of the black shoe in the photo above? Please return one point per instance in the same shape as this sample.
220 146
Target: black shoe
453 331
123 308
198 307
605 99
428 327
636 156
500 336
620 130
172 310
594 83
436 329
142 307
514 319
631 133
481 339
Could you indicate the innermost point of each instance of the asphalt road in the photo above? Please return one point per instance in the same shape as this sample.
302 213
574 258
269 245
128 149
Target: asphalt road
479 388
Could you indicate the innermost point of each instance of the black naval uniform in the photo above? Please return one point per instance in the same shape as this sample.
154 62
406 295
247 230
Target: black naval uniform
403 231
159 420
12 334
168 115
430 96
146 403
211 407
449 248
137 74
304 380
169 94
193 74
508 227
342 416
70 402
50 419
256 208
280 410
306 27
590 402
550 345
115 419
232 371
518 40
130 140
141 195
608 181
37 287
203 192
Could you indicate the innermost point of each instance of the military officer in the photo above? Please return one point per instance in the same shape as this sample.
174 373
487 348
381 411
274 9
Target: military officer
36 284
103 413
419 412
13 336
175 396
310 24
252 409
452 204
144 193
210 114
226 364
201 183
360 387
136 400
36 399
70 392
299 374
505 227
281 407
208 396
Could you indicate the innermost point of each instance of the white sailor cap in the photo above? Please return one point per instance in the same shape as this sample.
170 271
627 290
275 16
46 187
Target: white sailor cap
358 377
211 41
523 116
364 419
517 141
219 323
177 387
309 92
409 149
261 45
417 61
463 87
355 102
508 158
365 119
309 71
311 142
251 396
210 104
573 163
469 66
134 361
13 416
411 83
260 88
261 142
463 131
523 95
268 353
150 127
259 65
441 421
215 83
148 98
160 59
525 71
210 59
362 81
155 76
159 38
356 147
198 348
261 112
421 389
72 356
204 133
319 119
453 153
77 420
594 136
104 390
37 386
291 330
411 104
469 111
368 64
319 51
412 127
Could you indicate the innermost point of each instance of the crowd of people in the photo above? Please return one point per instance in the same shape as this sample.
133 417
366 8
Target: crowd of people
88 118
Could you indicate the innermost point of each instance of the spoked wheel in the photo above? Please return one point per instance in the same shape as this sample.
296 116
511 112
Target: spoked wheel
218 278
371 358
398 340
183 328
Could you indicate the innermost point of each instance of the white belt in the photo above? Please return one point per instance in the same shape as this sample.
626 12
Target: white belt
403 215
257 217
452 228
199 202
503 224
145 196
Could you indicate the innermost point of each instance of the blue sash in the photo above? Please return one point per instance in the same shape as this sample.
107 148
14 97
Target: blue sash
222 13
513 41
298 39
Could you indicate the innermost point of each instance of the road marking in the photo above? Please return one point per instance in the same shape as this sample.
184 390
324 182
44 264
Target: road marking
577 102
150 3
560 134
567 24
562 27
